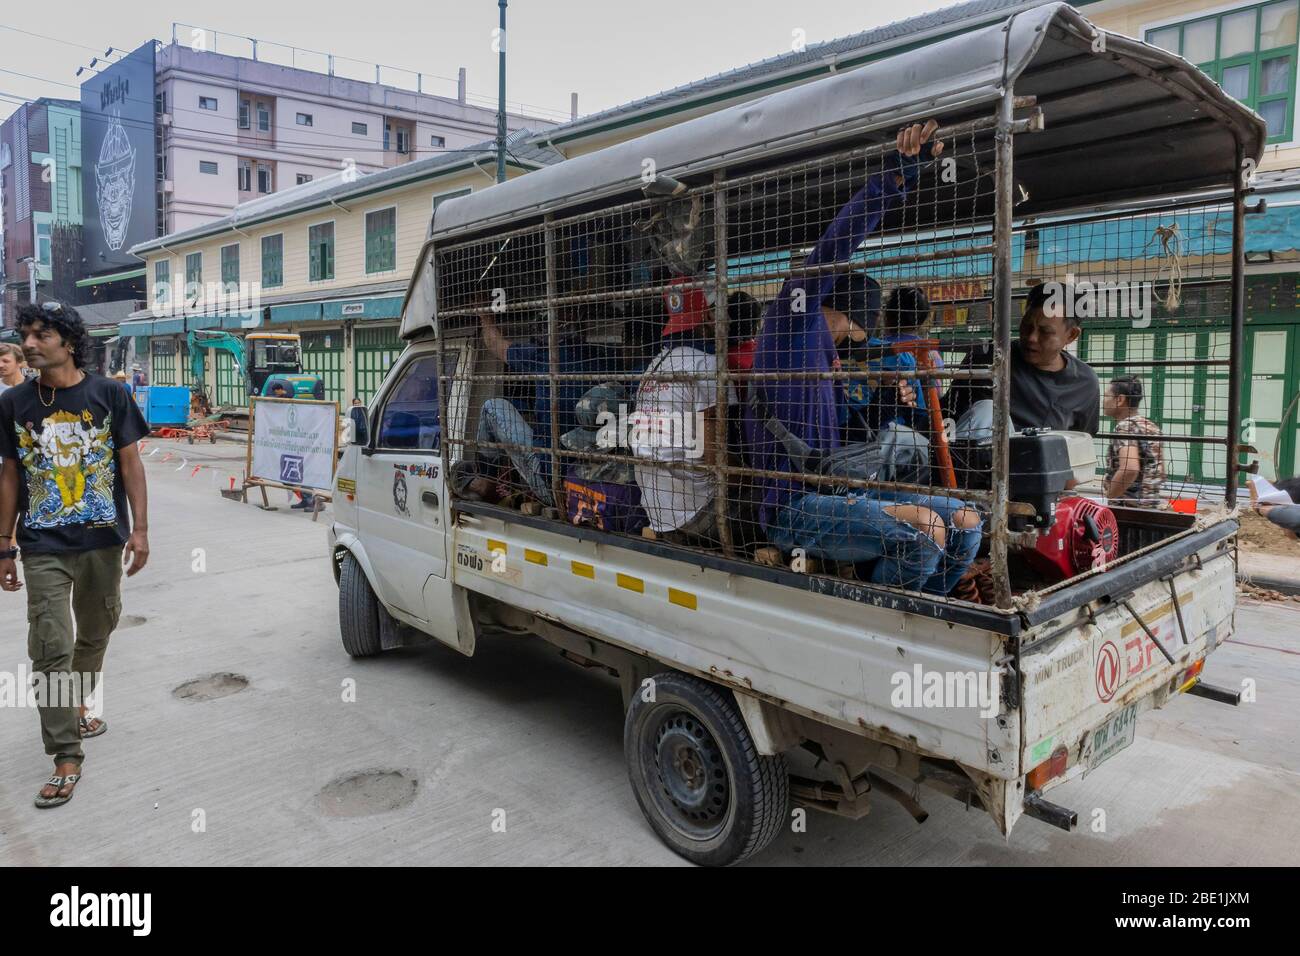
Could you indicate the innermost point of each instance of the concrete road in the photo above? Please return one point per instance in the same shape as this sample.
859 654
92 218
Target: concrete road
436 749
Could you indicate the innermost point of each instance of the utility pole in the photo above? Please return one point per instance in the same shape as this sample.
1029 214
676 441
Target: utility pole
501 95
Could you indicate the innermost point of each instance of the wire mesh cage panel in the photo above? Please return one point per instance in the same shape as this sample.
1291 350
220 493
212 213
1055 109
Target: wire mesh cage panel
798 365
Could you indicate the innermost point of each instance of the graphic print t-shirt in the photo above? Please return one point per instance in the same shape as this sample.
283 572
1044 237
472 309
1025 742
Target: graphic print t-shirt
70 493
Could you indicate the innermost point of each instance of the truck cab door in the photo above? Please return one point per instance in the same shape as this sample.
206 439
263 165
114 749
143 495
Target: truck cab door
402 508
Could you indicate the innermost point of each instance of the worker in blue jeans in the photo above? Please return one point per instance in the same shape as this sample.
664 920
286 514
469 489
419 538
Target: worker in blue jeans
918 542
500 422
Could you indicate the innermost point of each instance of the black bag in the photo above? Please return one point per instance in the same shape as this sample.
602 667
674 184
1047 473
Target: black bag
894 453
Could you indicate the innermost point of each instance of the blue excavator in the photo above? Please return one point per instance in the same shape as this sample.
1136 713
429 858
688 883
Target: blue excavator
264 359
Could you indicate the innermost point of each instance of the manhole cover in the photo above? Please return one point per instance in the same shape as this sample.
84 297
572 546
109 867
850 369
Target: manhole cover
367 792
130 620
211 687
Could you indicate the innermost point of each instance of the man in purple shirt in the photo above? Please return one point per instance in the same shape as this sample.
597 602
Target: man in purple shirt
923 542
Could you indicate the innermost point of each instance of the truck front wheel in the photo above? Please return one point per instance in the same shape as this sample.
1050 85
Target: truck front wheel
358 610
700 781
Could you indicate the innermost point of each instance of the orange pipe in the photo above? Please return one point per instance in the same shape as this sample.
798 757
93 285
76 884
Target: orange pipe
921 349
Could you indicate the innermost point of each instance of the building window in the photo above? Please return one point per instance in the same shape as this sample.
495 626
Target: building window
208 103
1250 52
381 240
272 261
208 167
442 198
43 243
245 114
304 119
264 180
160 103
388 136
361 129
230 264
263 118
245 176
162 280
320 245
193 276
438 142
304 178
403 140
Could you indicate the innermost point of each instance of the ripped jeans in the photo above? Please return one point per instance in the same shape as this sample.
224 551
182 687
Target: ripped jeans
500 422
857 527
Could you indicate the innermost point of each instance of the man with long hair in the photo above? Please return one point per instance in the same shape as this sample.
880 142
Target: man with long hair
69 467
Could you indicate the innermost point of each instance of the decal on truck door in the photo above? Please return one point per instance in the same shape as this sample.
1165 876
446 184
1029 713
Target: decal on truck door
399 492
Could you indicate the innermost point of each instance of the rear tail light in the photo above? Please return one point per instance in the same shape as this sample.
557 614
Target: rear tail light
1191 676
1049 769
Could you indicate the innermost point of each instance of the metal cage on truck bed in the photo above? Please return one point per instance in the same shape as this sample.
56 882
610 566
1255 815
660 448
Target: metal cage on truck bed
663 360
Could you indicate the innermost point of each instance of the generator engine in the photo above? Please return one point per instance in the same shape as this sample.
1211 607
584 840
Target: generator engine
1085 535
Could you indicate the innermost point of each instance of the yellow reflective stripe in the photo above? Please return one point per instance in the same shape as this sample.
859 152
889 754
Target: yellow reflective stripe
682 598
494 545
582 570
631 583
536 557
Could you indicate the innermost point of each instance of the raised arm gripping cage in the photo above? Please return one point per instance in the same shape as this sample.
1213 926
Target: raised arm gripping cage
666 309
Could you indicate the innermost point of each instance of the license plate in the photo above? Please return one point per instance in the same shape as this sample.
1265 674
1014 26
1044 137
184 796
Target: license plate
1111 737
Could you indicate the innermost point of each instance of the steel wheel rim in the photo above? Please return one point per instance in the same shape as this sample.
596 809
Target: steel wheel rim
689 782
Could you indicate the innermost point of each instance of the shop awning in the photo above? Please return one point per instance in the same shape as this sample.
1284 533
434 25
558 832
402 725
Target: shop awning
136 327
114 277
378 307
296 312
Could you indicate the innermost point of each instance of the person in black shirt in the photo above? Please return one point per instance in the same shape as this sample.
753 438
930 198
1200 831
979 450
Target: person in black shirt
70 466
1050 388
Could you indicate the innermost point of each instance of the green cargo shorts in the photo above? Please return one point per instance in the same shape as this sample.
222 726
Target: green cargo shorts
63 587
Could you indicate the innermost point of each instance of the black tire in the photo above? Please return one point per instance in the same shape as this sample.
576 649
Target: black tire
720 801
358 611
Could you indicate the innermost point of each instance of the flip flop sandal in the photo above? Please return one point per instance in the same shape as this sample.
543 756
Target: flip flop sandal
84 724
58 782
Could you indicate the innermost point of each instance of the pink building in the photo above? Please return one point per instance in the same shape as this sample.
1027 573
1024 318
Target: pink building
231 129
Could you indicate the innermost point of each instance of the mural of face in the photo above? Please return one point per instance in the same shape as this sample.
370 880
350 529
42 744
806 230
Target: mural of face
115 182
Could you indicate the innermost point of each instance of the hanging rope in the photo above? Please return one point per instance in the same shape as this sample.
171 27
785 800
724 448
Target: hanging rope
1171 247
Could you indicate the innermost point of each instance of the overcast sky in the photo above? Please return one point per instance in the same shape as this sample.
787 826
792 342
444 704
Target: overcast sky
608 51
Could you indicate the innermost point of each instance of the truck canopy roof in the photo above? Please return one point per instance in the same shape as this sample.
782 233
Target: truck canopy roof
1123 120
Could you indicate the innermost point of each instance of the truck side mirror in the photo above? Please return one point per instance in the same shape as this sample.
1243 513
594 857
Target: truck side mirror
360 426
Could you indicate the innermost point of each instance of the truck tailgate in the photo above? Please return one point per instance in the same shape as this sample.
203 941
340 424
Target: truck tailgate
1083 686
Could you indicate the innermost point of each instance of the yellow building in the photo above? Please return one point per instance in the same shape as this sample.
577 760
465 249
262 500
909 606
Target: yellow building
329 259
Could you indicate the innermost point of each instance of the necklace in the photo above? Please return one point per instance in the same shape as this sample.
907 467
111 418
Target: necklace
53 390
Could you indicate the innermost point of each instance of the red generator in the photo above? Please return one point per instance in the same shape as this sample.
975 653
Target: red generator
1084 536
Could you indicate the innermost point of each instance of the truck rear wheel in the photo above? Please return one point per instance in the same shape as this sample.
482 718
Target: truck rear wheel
700 781
358 610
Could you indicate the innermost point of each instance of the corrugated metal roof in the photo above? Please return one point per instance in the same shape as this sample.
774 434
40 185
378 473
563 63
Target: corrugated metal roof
521 149
877 39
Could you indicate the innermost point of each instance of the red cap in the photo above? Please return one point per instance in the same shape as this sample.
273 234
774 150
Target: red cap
686 308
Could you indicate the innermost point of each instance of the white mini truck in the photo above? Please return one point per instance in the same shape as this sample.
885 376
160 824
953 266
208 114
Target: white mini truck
752 684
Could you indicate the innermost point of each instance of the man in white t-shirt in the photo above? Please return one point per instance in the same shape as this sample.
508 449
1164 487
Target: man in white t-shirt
11 366
676 422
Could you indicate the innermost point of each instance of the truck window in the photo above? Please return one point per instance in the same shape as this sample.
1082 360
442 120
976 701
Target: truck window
410 416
